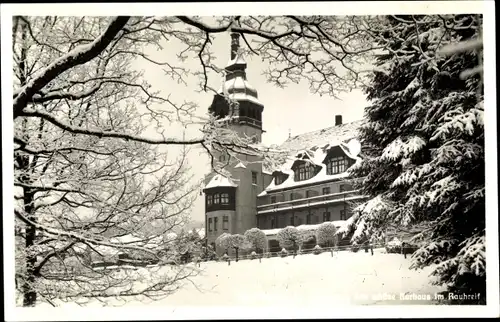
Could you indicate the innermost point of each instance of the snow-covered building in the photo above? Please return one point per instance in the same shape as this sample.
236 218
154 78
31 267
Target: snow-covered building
309 188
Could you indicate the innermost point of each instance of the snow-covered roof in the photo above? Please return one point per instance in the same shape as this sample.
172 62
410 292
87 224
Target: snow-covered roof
314 147
240 165
220 181
272 232
243 97
236 83
238 60
321 137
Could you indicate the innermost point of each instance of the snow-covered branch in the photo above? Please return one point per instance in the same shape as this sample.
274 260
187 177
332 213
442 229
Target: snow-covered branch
78 56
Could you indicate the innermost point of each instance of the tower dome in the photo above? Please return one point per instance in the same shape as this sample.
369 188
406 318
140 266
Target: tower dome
236 86
237 98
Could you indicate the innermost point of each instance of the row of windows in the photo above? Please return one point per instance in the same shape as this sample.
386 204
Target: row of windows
306 171
336 165
213 223
310 193
218 198
297 221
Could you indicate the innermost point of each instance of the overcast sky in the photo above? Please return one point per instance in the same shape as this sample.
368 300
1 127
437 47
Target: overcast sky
292 109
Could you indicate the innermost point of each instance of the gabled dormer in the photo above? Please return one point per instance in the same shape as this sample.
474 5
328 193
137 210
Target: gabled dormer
279 177
337 161
304 169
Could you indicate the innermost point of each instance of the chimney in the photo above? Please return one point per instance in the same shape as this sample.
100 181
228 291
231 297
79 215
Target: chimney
235 44
338 119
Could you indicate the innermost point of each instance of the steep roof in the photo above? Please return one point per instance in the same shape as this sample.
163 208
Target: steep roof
314 146
338 133
314 142
220 181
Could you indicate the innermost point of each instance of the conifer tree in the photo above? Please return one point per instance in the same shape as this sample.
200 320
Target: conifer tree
423 145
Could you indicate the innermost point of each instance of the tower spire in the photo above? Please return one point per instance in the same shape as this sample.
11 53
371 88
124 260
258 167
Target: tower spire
235 44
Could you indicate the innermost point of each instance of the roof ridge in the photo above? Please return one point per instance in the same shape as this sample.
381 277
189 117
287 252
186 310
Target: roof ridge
323 129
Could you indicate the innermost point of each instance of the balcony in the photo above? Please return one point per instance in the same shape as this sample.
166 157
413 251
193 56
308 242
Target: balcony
316 201
240 120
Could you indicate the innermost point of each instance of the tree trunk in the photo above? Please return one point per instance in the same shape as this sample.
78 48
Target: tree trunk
236 249
29 296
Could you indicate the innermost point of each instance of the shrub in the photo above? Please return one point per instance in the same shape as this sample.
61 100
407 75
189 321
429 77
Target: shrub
317 250
253 255
284 252
290 237
354 247
224 241
394 246
257 238
224 257
326 234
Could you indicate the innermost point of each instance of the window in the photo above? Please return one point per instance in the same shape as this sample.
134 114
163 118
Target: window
291 196
273 223
215 223
326 190
336 165
292 221
216 199
224 198
342 215
209 199
279 179
225 222
303 172
326 216
209 224
222 158
254 177
308 193
342 188
308 219
273 199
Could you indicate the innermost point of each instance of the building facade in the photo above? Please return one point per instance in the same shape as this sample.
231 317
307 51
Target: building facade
230 203
310 188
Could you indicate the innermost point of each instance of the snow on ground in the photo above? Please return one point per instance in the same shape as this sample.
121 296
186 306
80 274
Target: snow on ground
308 280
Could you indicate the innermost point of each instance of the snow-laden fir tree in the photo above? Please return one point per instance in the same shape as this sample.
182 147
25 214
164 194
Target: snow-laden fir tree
423 146
257 238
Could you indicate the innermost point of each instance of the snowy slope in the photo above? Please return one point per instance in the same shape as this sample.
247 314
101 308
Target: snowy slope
307 281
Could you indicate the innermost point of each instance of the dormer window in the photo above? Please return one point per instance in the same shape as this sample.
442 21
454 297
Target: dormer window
303 172
279 178
336 165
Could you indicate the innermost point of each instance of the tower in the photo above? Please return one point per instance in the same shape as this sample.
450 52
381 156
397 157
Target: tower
230 203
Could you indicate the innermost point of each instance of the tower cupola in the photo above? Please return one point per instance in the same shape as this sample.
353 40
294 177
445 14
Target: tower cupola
236 97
